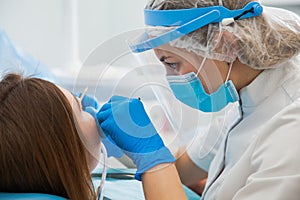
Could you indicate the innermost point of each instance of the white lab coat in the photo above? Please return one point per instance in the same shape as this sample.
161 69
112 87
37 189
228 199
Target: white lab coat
205 145
259 158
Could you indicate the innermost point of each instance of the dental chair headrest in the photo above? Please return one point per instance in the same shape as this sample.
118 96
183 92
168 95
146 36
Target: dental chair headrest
28 196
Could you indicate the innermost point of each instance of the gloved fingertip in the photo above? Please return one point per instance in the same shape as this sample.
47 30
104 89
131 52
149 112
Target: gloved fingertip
90 101
105 107
76 94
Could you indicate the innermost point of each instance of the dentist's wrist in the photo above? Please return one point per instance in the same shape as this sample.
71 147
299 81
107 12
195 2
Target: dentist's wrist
149 161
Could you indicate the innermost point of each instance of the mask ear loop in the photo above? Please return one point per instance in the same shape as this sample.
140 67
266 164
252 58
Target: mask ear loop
201 66
104 172
227 78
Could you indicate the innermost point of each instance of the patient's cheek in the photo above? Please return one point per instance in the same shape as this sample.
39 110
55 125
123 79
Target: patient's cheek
90 137
93 162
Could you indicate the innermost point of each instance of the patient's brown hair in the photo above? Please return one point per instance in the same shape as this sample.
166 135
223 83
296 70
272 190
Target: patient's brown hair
40 149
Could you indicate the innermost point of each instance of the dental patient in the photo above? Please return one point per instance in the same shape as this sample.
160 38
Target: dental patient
48 144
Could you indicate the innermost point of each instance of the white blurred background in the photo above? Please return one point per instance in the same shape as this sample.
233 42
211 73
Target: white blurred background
61 33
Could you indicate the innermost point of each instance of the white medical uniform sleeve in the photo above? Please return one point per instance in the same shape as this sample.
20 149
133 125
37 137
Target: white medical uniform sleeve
204 147
275 160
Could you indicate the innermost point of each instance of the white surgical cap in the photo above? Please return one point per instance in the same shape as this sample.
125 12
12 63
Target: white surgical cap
260 42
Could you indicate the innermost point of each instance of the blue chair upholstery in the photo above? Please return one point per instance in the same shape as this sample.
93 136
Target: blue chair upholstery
14 59
28 196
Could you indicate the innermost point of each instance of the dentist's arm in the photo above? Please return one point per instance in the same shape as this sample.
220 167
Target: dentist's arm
163 183
126 123
188 171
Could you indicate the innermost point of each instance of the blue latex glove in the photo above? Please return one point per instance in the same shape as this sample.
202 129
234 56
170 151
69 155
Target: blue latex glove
90 105
125 121
89 101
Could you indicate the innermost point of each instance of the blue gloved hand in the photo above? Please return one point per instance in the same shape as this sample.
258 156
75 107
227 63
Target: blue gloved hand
89 101
125 121
91 105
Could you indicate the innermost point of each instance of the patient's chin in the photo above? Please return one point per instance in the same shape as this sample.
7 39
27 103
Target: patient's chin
93 162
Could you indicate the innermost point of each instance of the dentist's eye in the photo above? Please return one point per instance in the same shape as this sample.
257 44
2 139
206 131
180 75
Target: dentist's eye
173 66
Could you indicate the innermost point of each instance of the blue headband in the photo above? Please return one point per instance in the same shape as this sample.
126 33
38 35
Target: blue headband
189 20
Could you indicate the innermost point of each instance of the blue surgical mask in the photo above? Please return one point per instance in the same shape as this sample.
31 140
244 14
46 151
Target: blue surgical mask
189 90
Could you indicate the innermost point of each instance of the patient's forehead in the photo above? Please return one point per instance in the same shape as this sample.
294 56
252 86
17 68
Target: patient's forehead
70 97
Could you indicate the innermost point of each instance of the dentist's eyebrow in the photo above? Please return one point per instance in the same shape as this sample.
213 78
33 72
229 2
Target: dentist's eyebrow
163 58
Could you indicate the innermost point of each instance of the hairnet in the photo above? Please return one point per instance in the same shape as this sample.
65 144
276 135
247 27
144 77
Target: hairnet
260 42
